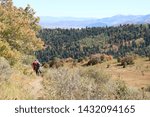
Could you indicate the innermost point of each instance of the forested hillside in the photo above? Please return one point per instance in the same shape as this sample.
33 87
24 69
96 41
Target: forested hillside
79 43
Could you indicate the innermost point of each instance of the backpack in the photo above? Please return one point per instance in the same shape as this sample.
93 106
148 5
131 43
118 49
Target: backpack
37 64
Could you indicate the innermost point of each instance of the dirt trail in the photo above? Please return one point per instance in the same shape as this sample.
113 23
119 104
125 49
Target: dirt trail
36 87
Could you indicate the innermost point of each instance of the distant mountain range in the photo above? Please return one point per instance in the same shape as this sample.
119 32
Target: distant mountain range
71 22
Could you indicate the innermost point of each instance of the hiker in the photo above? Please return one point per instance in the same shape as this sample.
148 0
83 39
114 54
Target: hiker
36 66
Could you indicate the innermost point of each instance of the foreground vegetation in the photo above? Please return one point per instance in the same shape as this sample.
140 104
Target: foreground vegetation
74 82
86 83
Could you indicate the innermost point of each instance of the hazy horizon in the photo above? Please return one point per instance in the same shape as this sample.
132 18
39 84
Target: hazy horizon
92 17
86 8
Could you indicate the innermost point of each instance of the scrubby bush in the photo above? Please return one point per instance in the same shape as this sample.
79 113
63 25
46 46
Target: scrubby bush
56 63
121 90
98 75
127 60
81 84
69 60
80 60
93 61
103 57
5 69
124 64
45 65
74 64
108 65
119 59
99 58
148 88
86 58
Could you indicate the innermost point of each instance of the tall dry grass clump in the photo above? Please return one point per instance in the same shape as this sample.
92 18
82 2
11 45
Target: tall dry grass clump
12 90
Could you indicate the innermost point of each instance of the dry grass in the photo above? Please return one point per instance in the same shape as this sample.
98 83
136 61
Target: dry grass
13 89
15 82
137 75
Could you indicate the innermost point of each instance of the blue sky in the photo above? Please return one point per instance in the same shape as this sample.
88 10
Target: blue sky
86 8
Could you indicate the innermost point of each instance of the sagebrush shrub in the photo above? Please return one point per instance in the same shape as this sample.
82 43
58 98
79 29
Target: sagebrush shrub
127 60
63 83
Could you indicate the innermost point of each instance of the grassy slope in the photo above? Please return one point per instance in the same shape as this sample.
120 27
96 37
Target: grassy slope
137 75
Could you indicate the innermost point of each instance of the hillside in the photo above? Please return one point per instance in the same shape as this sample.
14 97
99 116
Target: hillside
80 43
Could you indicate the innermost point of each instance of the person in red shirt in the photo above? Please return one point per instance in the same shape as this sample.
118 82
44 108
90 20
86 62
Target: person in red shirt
36 66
